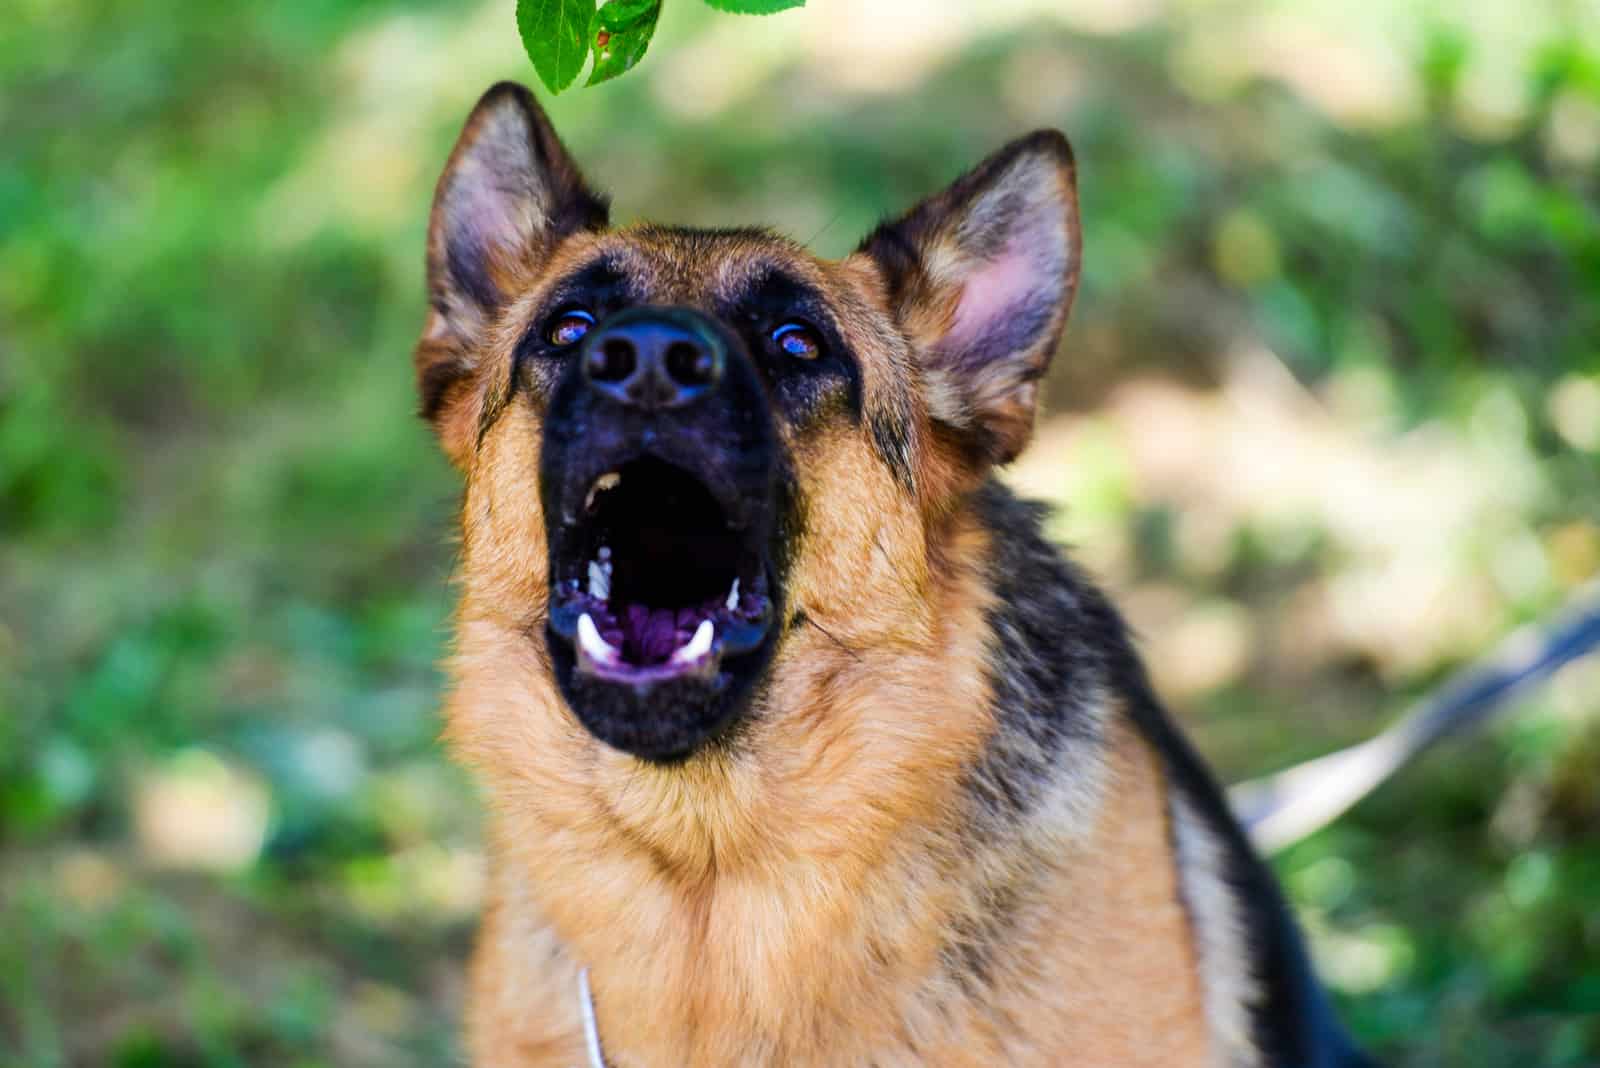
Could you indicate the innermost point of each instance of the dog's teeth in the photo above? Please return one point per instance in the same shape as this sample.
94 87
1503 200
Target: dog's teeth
697 646
605 482
733 596
589 641
600 580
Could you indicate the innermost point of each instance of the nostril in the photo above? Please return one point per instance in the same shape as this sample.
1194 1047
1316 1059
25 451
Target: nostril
690 365
612 360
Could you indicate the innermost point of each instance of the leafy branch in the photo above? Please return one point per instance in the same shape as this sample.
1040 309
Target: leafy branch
561 35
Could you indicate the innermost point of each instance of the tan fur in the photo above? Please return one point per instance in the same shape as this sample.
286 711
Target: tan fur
1108 979
744 898
749 886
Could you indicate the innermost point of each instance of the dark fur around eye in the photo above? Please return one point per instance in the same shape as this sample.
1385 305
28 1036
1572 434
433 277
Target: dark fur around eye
768 312
594 291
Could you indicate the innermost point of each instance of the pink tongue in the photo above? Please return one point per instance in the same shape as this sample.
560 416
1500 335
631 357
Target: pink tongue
649 636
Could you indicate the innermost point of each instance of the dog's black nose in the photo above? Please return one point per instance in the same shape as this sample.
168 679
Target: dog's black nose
653 358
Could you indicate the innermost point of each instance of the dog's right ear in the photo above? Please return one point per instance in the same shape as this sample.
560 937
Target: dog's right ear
508 195
981 277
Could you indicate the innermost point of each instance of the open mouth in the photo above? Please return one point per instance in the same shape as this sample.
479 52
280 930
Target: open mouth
656 580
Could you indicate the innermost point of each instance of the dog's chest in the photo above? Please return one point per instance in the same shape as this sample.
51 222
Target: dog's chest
1097 970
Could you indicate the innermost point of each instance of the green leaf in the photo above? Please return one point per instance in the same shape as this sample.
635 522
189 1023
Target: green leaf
625 46
553 32
618 15
755 7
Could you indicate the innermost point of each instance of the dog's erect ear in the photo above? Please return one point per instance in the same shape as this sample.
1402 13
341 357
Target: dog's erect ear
508 195
981 277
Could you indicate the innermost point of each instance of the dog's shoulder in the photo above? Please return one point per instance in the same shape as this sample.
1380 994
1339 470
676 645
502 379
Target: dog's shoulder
1062 661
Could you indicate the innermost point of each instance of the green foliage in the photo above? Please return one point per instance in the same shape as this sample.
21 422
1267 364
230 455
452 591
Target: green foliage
560 35
618 15
755 7
556 35
621 31
224 537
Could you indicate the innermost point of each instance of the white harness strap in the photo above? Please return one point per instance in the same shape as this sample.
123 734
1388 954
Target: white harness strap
591 1029
1279 810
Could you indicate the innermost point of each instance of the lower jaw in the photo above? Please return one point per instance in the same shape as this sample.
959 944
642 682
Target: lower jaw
662 709
667 719
647 675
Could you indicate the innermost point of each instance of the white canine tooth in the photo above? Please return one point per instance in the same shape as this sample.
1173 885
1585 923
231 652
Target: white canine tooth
599 580
589 641
695 647
733 596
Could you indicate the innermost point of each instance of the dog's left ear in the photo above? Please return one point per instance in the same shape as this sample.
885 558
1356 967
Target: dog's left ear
981 277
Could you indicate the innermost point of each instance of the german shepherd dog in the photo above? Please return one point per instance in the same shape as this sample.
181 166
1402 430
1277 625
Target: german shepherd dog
801 744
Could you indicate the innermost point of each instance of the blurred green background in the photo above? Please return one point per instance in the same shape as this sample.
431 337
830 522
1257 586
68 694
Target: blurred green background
1327 422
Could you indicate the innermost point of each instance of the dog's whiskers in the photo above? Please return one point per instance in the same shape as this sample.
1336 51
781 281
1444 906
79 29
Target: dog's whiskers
830 636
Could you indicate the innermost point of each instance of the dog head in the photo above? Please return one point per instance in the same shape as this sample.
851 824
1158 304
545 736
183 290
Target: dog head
684 449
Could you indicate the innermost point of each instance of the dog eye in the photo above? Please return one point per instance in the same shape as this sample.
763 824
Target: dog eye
798 340
569 327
